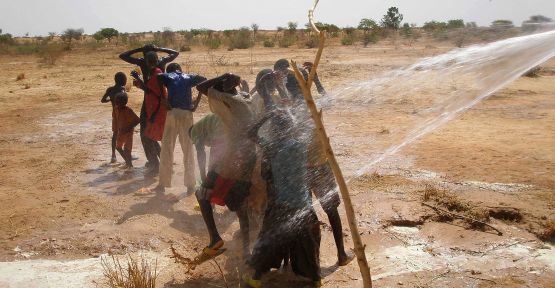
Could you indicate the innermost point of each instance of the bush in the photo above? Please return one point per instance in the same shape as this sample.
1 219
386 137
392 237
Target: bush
185 48
241 39
370 38
347 40
456 23
212 42
51 53
269 43
311 42
286 41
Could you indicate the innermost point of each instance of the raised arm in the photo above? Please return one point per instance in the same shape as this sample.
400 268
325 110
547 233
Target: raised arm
205 85
128 56
172 54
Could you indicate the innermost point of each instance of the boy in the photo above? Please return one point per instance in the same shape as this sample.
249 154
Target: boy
109 96
208 132
178 121
126 121
230 184
321 180
151 148
290 229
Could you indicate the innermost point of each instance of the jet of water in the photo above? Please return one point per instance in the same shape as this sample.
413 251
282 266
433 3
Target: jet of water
433 91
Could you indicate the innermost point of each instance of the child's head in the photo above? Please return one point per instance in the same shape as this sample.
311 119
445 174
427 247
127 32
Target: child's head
121 99
120 79
282 67
151 59
173 67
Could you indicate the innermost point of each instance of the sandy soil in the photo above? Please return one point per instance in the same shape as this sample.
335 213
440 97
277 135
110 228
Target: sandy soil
61 200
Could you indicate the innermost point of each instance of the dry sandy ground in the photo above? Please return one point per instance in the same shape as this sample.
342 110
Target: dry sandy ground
61 200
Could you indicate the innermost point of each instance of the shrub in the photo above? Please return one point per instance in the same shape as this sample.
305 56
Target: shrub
51 53
311 42
72 34
456 23
269 43
241 39
185 48
347 40
212 42
286 41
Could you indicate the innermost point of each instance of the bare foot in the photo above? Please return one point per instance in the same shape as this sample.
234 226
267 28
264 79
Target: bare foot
345 259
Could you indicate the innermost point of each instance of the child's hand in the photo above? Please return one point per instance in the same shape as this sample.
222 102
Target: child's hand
134 74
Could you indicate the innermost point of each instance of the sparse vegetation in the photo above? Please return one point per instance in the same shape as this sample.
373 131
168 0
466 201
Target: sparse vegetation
71 34
136 274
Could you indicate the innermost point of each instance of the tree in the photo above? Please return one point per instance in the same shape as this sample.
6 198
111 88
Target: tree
455 23
502 24
72 34
254 28
538 19
108 33
98 36
367 24
392 19
292 27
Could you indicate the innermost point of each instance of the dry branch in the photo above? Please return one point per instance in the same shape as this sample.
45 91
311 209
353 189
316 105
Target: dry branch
437 209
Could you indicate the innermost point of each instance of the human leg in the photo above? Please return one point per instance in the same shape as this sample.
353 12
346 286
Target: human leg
168 146
243 216
185 121
114 138
207 212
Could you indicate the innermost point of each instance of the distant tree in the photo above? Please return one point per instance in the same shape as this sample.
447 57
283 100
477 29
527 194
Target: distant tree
168 36
72 34
434 25
455 23
502 23
392 19
98 36
6 38
254 28
366 24
241 39
471 25
538 19
108 33
292 27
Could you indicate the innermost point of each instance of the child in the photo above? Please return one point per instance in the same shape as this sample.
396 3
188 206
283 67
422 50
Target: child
126 121
178 121
290 229
109 96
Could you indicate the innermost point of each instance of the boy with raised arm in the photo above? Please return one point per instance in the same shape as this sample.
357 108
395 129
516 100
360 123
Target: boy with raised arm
151 148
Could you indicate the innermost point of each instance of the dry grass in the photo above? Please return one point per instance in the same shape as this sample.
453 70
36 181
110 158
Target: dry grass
137 274
453 203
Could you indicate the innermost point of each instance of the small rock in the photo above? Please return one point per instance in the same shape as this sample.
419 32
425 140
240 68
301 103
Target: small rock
400 283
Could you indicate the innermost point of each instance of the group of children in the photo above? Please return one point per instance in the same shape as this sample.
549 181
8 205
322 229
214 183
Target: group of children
293 163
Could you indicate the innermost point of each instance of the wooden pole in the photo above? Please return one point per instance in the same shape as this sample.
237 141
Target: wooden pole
322 135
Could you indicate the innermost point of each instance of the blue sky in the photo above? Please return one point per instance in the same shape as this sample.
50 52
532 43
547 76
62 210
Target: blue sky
38 17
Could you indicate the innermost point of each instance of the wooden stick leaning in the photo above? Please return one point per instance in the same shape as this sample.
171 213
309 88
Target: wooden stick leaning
321 131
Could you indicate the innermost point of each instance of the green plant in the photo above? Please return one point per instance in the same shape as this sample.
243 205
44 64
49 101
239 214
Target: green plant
71 34
269 43
392 19
108 33
347 40
241 39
